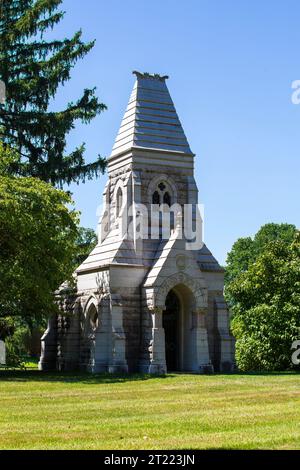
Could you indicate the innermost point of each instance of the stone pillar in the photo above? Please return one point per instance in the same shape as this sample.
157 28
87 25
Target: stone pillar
118 363
68 340
226 341
201 362
101 359
157 345
105 219
49 346
2 353
139 217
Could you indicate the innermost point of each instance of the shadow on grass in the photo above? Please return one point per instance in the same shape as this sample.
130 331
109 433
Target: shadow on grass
262 373
73 377
105 378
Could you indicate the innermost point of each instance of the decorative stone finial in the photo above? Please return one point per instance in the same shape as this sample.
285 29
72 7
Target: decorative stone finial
151 76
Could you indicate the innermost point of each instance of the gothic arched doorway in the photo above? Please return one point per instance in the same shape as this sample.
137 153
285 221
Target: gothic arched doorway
171 324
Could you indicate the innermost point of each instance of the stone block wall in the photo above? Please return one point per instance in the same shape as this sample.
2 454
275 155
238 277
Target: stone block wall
131 307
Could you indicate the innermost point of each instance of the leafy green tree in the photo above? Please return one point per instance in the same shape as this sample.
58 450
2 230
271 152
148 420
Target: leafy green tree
239 258
272 232
86 242
38 235
266 307
32 70
245 251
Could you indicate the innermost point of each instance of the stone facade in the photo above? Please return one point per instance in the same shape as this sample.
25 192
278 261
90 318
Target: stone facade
2 353
116 320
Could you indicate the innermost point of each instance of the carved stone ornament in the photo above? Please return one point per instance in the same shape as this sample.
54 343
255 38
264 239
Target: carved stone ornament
181 262
154 76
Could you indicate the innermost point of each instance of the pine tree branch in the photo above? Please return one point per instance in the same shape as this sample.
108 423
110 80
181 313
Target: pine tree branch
33 69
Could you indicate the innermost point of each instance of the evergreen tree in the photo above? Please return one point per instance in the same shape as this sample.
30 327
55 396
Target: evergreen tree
32 70
86 242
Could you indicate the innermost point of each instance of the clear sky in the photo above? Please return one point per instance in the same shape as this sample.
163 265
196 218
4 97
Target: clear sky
231 65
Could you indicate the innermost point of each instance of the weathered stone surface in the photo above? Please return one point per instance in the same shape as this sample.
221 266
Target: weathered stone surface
2 353
114 322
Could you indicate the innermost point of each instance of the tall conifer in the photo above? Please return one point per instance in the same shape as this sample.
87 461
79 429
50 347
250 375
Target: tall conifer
32 69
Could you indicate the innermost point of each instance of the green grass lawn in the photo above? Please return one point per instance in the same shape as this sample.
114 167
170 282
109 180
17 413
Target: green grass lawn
57 411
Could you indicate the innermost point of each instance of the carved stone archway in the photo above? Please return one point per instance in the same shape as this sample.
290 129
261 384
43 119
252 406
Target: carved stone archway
91 307
156 302
157 298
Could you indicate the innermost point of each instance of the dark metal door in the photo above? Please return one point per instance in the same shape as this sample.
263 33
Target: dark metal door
171 327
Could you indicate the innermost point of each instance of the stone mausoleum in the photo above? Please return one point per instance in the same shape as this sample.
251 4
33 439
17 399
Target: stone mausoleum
144 303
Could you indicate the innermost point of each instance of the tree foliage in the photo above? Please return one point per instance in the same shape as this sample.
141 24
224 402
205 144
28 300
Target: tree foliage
32 70
266 302
38 235
245 251
86 242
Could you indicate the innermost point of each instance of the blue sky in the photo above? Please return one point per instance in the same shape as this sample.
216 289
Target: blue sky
231 65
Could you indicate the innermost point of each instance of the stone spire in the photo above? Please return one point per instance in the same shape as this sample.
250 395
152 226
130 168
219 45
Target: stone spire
150 120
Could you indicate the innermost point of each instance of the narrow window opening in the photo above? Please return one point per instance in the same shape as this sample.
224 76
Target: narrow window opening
156 198
167 199
119 201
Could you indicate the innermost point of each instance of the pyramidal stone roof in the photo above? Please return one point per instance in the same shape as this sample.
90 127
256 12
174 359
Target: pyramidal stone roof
150 120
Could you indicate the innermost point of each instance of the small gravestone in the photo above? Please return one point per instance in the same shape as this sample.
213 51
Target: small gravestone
2 353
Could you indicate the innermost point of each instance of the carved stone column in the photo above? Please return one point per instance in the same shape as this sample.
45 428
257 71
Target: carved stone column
49 346
103 336
157 344
225 345
201 363
118 363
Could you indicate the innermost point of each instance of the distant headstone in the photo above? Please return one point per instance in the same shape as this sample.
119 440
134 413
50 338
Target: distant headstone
2 353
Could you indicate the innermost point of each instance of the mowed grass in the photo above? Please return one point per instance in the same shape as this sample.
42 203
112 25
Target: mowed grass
180 411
